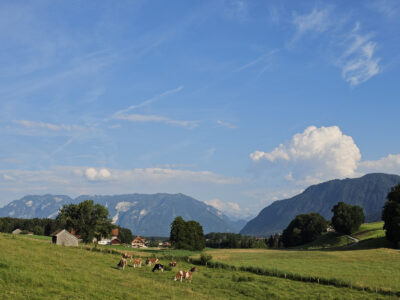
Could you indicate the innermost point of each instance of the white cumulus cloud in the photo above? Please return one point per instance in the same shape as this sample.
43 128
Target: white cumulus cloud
388 164
315 154
93 174
228 207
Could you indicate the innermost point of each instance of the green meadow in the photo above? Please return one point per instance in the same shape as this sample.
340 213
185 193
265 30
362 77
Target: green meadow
370 263
32 268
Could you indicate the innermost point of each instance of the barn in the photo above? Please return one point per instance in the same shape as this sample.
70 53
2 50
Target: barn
64 238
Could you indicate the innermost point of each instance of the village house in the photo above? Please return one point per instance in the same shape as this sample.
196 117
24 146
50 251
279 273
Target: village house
64 238
164 244
139 242
109 241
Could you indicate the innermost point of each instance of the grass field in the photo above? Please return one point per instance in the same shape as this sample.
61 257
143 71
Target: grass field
35 269
374 268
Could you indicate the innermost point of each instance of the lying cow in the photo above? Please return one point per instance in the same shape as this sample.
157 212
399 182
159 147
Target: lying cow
194 269
122 264
183 275
158 267
137 263
150 261
173 263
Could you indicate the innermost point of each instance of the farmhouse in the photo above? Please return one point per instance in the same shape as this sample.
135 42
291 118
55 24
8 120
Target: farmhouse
106 241
17 231
115 242
139 242
63 237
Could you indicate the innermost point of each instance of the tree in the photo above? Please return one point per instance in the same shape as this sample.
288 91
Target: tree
187 235
347 218
177 234
303 229
205 258
89 220
391 216
125 235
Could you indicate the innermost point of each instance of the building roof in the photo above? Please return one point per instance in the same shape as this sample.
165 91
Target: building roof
59 231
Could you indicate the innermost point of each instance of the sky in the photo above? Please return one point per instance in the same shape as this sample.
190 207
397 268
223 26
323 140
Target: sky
235 103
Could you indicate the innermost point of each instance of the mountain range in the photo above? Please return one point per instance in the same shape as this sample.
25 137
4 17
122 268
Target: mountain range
144 214
369 192
152 214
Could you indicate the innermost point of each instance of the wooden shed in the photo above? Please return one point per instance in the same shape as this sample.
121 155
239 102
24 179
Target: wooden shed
63 237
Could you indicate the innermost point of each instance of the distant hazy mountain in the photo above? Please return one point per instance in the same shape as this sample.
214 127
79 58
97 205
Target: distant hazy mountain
148 215
369 192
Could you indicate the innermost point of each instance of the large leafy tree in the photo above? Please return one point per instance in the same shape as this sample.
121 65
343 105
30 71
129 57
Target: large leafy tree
125 235
304 229
187 235
347 218
391 215
89 220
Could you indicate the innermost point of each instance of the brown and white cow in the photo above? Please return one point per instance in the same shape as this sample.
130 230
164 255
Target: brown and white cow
173 263
122 263
137 263
183 275
150 261
127 256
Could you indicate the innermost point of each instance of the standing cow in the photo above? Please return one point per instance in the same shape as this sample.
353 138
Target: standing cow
122 263
150 261
137 263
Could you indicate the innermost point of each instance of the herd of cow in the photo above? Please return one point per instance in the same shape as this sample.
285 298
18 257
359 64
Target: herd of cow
137 262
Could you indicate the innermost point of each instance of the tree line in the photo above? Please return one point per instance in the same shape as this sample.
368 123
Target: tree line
87 219
236 240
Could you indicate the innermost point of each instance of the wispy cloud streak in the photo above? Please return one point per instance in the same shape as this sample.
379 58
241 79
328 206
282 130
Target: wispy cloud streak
148 101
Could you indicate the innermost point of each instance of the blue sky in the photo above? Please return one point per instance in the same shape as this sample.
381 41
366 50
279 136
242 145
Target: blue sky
236 103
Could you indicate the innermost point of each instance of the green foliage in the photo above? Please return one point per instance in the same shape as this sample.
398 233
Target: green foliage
36 225
274 241
89 220
125 235
391 216
304 229
205 258
347 218
187 235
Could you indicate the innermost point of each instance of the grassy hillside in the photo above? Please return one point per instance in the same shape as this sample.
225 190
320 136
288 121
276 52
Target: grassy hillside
371 235
35 269
370 231
374 268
